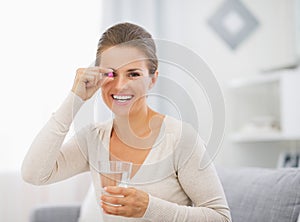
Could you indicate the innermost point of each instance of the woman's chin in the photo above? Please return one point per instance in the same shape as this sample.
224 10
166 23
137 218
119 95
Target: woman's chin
121 111
125 112
129 108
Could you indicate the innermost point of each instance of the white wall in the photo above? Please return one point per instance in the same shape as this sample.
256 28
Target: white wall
42 44
271 45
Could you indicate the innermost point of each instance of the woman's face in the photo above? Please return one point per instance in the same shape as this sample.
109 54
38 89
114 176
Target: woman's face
126 93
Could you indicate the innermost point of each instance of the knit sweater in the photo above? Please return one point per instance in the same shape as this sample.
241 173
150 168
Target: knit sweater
179 188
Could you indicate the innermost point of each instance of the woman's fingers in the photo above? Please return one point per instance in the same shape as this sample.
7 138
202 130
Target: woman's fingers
129 202
93 75
89 80
116 190
115 210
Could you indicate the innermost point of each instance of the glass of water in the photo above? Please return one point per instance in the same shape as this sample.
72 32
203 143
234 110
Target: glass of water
114 173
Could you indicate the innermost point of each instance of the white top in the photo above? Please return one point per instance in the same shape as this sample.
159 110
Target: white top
179 190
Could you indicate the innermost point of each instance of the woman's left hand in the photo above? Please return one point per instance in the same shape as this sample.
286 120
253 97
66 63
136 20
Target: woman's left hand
126 202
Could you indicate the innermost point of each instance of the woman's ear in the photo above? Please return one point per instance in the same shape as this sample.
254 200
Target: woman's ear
153 80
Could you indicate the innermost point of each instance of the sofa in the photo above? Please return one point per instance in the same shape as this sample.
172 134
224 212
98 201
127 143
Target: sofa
253 195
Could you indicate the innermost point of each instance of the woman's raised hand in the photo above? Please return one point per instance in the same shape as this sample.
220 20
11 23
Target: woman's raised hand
126 202
89 80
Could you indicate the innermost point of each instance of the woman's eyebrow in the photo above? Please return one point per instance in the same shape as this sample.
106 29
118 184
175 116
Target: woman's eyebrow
114 70
132 70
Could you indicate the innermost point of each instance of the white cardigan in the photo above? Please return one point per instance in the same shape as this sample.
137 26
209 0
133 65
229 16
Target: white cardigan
178 189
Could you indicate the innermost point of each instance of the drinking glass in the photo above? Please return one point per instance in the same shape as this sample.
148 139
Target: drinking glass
114 173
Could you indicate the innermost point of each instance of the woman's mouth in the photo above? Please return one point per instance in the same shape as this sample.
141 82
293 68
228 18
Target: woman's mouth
122 98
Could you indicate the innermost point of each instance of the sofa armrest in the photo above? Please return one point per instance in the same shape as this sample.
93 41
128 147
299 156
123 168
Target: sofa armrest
54 213
261 194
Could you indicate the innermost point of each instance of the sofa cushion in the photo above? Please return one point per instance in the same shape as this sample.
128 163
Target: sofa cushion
261 195
53 213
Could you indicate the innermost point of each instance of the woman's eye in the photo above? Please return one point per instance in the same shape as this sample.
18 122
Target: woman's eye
134 74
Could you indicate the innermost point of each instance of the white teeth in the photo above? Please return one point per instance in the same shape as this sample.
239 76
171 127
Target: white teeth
122 98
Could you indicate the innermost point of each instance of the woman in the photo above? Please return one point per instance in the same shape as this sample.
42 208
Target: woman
166 183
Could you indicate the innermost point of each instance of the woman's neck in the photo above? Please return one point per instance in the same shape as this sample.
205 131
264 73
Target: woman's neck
137 123
138 129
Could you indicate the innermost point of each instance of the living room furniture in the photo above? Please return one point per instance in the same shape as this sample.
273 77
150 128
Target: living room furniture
253 195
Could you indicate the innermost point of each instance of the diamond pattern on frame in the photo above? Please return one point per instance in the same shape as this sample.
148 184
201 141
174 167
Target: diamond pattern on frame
233 22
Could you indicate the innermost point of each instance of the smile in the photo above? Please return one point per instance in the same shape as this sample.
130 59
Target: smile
122 98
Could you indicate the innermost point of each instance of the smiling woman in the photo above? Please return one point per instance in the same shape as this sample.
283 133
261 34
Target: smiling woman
166 183
130 82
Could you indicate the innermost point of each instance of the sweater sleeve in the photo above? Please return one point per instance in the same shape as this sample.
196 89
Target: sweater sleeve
48 159
200 183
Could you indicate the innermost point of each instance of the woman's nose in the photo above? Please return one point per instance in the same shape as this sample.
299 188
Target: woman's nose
120 82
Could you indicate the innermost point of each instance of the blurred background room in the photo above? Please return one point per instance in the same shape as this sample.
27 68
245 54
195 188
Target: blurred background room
252 47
